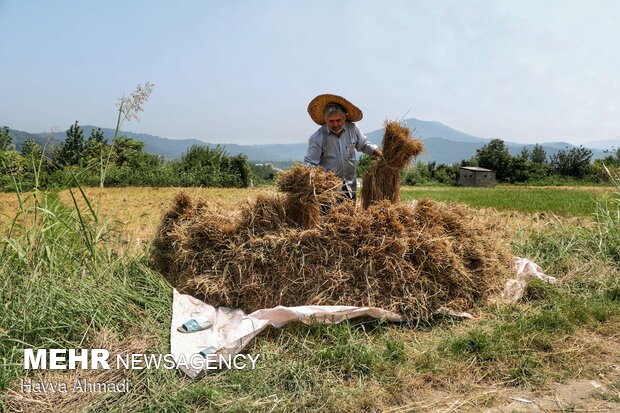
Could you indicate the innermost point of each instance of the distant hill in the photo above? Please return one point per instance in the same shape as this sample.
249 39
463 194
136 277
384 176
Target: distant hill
446 145
174 148
169 148
442 150
604 144
425 130
43 139
443 144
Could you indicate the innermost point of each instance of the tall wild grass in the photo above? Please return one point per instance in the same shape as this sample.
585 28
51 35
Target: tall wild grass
61 281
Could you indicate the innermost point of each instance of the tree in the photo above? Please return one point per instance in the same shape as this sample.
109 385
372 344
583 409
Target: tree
5 139
263 172
495 156
519 168
11 162
613 159
126 151
447 174
96 136
432 166
574 162
73 147
95 150
538 154
31 150
525 154
240 169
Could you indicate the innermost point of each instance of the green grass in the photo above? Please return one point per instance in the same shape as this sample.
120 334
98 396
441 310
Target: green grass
519 343
62 282
560 201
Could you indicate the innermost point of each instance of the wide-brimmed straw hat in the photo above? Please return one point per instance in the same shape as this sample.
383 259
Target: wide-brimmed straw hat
316 108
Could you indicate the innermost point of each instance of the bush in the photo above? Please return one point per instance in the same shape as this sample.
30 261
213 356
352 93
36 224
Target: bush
263 173
126 164
205 166
363 164
574 162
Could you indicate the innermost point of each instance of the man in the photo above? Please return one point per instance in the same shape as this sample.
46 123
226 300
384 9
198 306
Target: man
334 144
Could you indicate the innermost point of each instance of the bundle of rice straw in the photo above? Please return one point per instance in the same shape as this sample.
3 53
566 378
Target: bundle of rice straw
408 259
382 180
308 192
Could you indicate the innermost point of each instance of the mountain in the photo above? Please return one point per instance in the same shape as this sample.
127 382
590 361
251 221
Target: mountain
43 139
443 144
446 145
168 148
424 129
607 144
555 145
174 148
441 150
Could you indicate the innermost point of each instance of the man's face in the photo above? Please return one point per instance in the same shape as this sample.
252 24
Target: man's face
335 123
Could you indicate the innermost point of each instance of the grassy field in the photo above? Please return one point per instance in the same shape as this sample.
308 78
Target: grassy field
136 210
133 213
565 201
69 280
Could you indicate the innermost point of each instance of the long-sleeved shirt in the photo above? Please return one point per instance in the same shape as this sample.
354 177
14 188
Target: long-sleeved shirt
337 154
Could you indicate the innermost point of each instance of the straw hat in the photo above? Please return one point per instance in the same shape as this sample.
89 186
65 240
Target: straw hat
316 108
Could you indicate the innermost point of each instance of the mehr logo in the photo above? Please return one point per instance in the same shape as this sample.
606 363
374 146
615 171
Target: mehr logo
57 359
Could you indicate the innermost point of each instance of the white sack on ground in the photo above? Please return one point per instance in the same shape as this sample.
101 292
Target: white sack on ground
232 329
525 270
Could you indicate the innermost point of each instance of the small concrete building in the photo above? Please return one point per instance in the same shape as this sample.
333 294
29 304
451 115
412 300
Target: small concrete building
476 176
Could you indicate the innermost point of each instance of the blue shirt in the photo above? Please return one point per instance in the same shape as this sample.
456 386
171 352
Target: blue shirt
337 154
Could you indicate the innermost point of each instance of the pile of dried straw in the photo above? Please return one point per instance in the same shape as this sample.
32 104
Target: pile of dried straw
408 259
382 180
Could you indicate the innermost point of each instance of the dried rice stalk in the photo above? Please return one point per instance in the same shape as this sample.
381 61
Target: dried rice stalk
309 191
407 259
382 180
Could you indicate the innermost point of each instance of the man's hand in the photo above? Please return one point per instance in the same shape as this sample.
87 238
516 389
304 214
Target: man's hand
377 152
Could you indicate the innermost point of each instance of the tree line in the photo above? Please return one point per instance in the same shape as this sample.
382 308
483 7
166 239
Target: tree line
121 162
531 166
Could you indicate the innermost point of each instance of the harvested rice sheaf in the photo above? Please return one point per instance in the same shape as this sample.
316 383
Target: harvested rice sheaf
382 180
308 192
410 259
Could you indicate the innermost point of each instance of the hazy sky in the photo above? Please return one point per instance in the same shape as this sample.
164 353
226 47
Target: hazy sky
244 71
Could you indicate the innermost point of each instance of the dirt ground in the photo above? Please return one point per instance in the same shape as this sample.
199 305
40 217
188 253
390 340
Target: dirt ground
584 395
597 390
